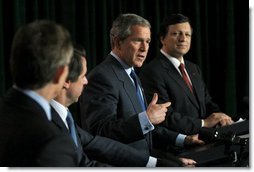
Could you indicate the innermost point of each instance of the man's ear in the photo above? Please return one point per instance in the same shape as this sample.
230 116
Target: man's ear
117 42
161 39
66 84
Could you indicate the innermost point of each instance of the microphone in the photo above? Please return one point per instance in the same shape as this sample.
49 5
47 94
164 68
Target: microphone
212 135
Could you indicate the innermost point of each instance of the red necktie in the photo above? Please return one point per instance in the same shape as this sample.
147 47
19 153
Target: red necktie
185 77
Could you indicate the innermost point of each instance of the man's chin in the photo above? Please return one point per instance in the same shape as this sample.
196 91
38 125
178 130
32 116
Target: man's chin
139 64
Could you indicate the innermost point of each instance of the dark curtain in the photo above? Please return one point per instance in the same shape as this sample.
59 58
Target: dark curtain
220 44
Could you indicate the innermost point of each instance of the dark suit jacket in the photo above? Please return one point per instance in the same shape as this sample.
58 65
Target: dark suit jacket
109 106
28 138
187 110
103 149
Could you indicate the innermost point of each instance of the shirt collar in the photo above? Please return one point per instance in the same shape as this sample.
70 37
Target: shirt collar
126 67
60 109
172 59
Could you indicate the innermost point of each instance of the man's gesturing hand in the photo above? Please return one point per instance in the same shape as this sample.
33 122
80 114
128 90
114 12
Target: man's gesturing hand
157 112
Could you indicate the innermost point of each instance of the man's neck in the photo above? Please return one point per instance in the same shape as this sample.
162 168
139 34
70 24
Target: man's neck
63 99
48 92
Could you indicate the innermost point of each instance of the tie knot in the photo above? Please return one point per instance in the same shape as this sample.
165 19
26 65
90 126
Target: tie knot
181 66
133 74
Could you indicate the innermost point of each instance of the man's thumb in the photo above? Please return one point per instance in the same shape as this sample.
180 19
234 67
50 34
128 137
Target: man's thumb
155 99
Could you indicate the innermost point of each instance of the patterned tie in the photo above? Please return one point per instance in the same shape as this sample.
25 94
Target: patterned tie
138 88
71 125
185 77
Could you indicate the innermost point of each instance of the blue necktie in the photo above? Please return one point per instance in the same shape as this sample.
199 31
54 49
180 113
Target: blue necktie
71 125
140 97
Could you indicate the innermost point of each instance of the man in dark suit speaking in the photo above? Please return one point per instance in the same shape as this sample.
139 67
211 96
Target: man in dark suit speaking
113 104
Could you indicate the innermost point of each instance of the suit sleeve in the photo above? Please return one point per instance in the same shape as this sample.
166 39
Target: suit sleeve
110 151
99 110
163 137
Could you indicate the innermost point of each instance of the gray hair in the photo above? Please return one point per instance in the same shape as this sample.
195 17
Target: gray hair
121 27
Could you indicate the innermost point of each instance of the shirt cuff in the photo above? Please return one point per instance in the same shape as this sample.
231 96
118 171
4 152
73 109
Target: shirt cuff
151 162
202 123
145 123
180 140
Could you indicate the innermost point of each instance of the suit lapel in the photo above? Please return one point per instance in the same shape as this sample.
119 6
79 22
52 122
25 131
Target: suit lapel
195 80
56 119
174 74
128 86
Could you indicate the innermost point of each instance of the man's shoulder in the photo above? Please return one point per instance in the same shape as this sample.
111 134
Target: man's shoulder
105 69
102 66
154 66
23 111
190 63
23 124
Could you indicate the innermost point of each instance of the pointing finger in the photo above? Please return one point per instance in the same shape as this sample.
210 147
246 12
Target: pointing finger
165 105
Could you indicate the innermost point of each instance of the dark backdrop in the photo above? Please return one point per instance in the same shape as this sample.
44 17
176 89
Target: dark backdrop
220 44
